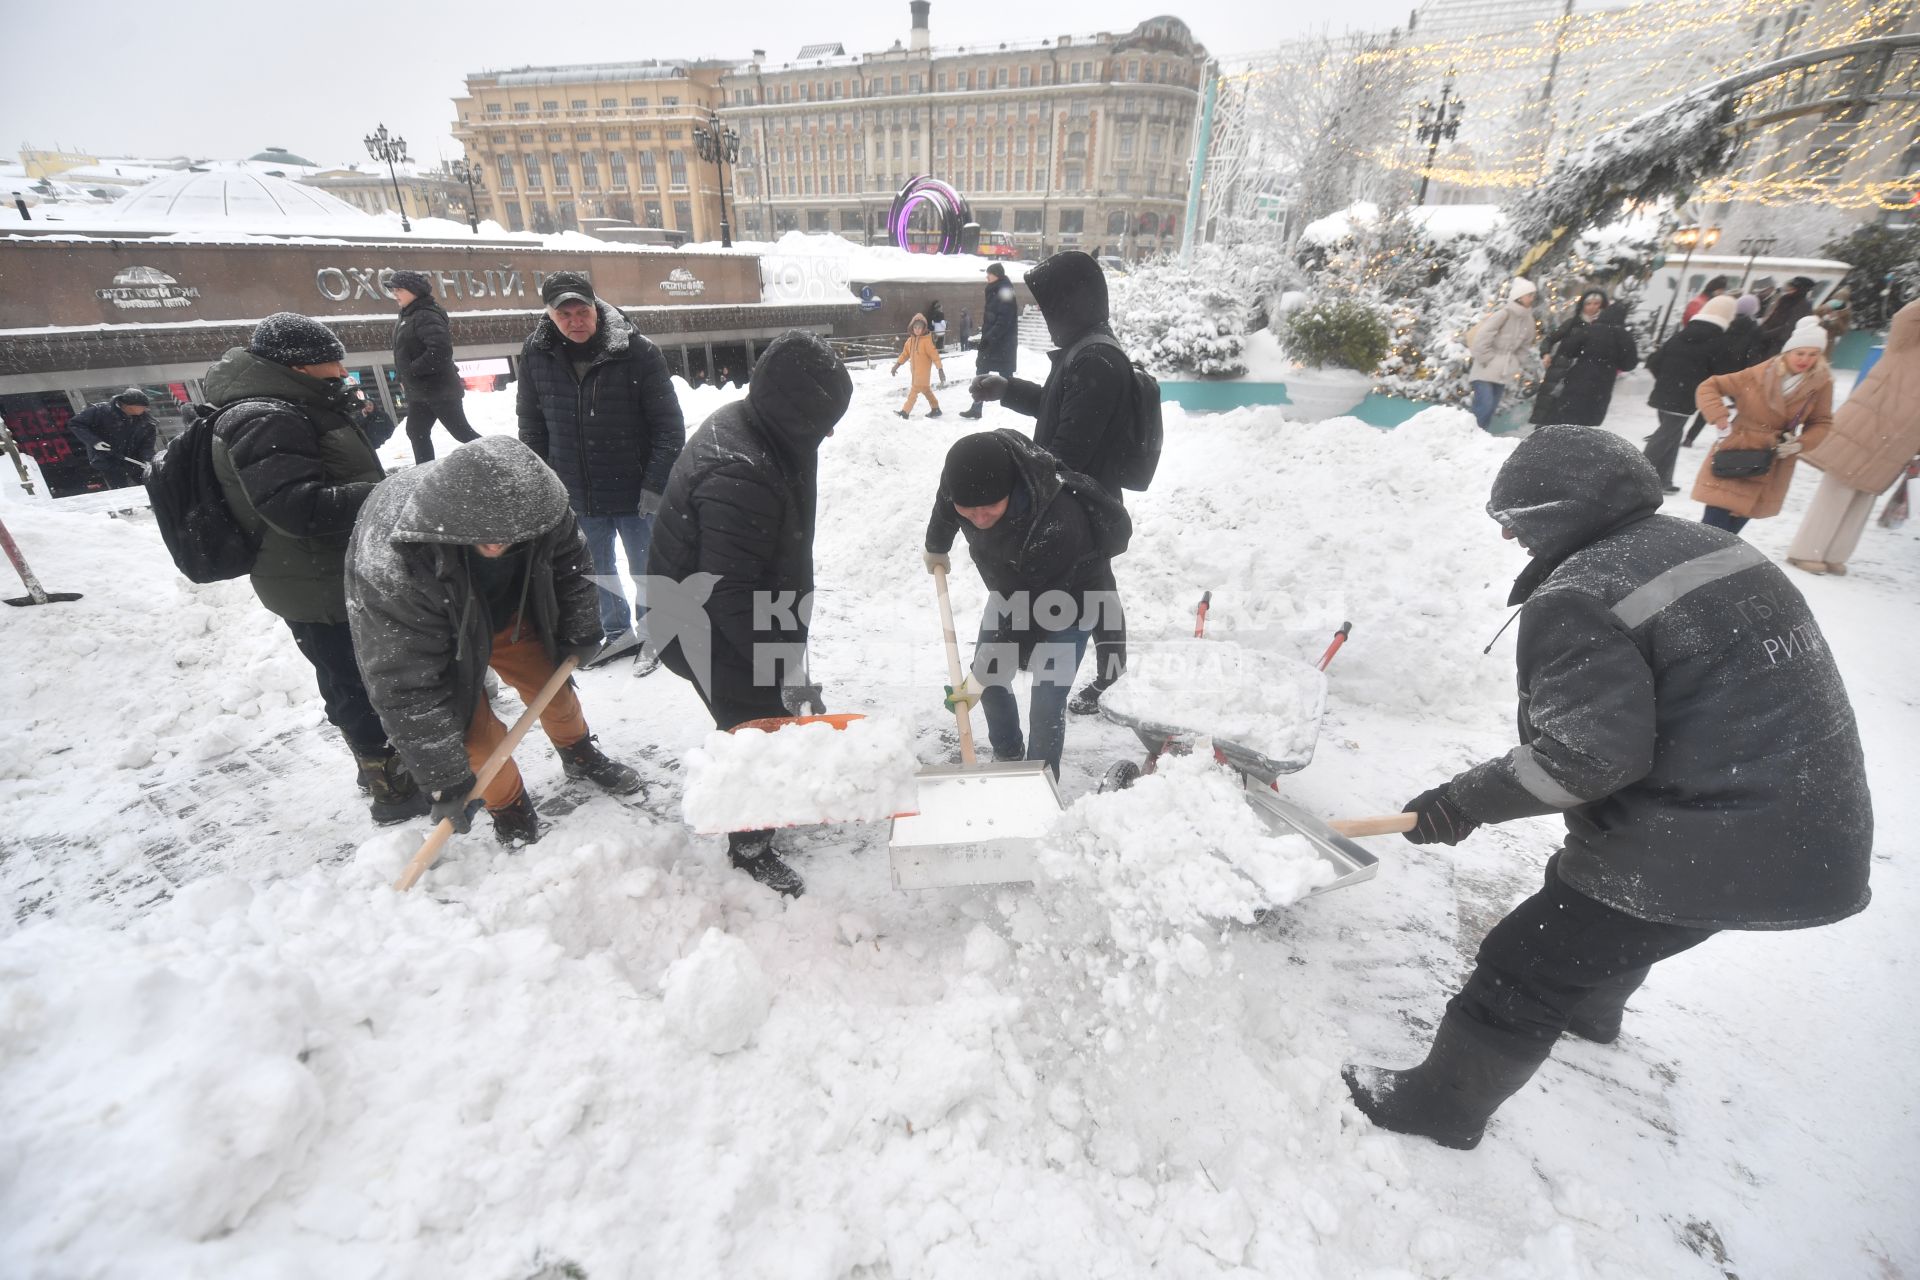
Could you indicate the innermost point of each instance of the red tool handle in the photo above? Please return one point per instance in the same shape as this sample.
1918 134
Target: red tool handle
1200 614
1339 638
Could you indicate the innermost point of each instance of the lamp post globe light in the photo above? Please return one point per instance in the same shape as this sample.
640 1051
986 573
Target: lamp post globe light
1438 121
465 170
393 149
718 143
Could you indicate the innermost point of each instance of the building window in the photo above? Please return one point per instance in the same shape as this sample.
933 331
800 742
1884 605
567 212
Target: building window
498 139
542 221
1074 73
533 175
549 106
1076 146
999 179
913 84
677 168
1122 181
609 104
506 172
1026 77
567 220
653 214
989 219
850 220
648 177
617 168
1156 144
806 185
589 170
1027 222
683 214
817 220
1072 221
1126 143
1019 179
636 102
514 221
896 148
493 108
613 135
668 101
1000 77
940 82
1075 178
896 84
939 148
583 135
529 137
562 177
1000 144
521 108
1117 223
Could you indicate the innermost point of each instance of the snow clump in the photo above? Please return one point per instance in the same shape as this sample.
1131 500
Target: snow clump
801 774
717 997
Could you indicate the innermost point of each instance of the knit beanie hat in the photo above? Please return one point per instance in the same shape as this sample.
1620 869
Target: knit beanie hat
414 282
996 272
1748 305
1719 310
133 395
979 470
1520 287
1808 333
294 340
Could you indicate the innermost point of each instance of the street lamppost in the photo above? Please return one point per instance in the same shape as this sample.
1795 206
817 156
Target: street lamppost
1753 247
392 149
1688 238
721 145
1438 121
465 170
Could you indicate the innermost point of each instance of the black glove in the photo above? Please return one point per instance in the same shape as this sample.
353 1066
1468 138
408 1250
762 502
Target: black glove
583 653
988 386
802 700
1441 820
453 804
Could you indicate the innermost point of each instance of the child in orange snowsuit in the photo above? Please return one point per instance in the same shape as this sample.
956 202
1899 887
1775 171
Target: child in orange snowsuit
921 352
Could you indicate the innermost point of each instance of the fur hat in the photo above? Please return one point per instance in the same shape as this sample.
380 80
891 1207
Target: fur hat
1719 310
978 471
1748 305
288 338
1807 334
1520 287
414 282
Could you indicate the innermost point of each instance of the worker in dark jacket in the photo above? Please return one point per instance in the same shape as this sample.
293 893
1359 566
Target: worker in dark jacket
1680 707
1084 414
999 345
1695 353
1033 527
119 437
597 402
735 537
423 354
456 566
1589 362
295 468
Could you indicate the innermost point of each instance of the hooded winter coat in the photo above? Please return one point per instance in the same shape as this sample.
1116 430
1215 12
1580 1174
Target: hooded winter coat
423 352
421 632
1678 705
126 435
999 344
1788 310
295 467
1497 342
1573 323
1594 355
739 507
610 434
1084 413
1743 347
1876 433
922 353
1684 361
1764 416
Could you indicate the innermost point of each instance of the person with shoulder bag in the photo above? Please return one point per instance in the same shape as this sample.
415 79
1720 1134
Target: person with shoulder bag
1780 407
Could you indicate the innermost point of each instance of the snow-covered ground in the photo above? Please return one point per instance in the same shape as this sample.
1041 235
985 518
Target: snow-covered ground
227 1048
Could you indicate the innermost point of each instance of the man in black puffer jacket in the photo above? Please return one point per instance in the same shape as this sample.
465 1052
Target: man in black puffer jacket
1684 361
999 345
738 516
597 402
119 436
1083 416
1680 707
1033 527
423 353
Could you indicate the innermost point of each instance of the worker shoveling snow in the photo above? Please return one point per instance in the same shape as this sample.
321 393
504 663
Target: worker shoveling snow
801 774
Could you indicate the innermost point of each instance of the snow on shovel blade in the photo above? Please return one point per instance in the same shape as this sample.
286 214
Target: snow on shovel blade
1350 862
800 771
977 825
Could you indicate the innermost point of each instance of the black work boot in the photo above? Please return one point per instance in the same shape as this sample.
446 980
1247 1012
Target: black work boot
518 823
1597 1018
584 760
752 852
394 794
1449 1097
1087 701
973 413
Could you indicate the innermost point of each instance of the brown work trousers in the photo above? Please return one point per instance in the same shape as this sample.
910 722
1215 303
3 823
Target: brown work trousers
524 664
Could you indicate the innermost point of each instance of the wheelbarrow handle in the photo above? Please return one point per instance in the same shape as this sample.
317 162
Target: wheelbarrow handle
1384 825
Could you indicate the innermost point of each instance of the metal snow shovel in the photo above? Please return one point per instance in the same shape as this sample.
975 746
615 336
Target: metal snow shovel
977 822
36 594
1331 840
443 832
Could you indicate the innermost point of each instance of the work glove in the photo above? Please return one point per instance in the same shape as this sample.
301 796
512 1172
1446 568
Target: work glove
937 561
1441 820
146 468
943 382
452 804
649 502
104 447
1787 448
802 700
896 371
964 697
988 386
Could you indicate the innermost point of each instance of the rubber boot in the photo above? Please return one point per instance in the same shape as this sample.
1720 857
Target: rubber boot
584 760
393 793
1087 701
974 413
518 823
752 852
1597 1018
1449 1097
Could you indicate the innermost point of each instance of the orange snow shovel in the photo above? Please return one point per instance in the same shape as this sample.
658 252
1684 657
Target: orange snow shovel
438 837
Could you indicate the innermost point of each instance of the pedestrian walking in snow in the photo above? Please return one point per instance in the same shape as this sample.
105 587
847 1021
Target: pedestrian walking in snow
1034 529
922 356
1680 707
1695 353
1084 415
1711 290
739 514
1875 434
1546 400
295 467
119 437
423 354
999 334
1588 364
966 329
1781 406
937 325
596 402
1742 348
1792 305
461 565
1496 343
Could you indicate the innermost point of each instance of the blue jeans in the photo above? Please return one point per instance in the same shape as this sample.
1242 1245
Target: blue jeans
1053 663
1721 518
636 532
1486 400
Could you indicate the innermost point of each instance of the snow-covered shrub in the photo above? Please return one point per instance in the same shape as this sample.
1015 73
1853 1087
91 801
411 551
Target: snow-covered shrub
1336 332
1186 315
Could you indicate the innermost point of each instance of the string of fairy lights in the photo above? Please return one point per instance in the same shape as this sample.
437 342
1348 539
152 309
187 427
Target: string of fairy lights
1537 92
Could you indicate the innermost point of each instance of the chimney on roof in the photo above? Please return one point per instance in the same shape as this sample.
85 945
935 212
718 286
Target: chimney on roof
920 38
759 55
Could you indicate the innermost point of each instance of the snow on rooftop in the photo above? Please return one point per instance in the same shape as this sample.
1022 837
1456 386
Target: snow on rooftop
234 198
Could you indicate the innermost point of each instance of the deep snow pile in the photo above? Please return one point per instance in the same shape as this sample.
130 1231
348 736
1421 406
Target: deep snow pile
799 774
227 1047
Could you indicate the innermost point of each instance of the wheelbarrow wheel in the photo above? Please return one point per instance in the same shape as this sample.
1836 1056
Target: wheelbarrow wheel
1119 776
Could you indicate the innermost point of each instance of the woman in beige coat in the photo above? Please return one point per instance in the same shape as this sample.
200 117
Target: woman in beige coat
1875 434
1784 404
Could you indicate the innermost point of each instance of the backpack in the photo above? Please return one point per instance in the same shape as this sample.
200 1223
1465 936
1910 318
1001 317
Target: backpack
207 542
1106 515
1146 431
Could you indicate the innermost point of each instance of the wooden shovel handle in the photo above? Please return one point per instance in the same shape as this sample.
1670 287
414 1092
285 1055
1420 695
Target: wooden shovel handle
954 678
443 831
1385 825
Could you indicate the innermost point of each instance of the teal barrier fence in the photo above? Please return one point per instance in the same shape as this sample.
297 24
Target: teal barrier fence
1376 410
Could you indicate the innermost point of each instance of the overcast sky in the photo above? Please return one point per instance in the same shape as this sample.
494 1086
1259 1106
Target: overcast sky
222 79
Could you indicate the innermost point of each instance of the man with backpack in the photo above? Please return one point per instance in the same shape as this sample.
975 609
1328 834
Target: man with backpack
1097 414
119 437
294 467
